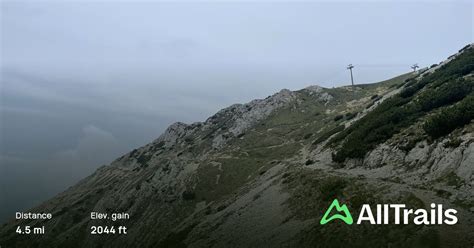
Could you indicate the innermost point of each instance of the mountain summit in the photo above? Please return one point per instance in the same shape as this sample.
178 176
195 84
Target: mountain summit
261 174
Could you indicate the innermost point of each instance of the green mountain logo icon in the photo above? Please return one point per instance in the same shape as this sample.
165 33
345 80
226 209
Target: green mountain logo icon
346 217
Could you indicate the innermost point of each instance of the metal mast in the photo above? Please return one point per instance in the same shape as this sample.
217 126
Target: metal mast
349 67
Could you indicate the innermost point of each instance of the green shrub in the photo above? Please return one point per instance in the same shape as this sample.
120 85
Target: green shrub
408 91
350 116
188 139
453 143
160 144
328 134
143 159
338 117
447 93
188 195
450 118
331 188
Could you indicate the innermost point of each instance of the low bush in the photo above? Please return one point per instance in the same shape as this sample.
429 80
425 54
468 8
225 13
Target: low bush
450 118
188 195
453 143
338 117
328 134
350 116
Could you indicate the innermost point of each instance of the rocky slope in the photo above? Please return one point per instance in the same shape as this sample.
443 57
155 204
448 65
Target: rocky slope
261 174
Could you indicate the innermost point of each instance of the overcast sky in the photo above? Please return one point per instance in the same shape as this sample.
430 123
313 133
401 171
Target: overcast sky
83 82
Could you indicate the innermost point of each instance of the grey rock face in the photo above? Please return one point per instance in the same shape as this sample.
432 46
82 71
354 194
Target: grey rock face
172 133
383 155
466 165
243 116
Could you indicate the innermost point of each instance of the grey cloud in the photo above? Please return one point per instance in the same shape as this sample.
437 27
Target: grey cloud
94 147
30 180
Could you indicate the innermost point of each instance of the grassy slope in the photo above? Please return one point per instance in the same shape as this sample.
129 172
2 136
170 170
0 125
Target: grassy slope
441 89
282 135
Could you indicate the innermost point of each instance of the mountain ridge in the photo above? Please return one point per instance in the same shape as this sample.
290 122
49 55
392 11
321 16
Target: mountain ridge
260 174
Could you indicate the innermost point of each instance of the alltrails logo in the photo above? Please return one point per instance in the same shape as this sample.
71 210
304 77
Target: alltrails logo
402 215
347 217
